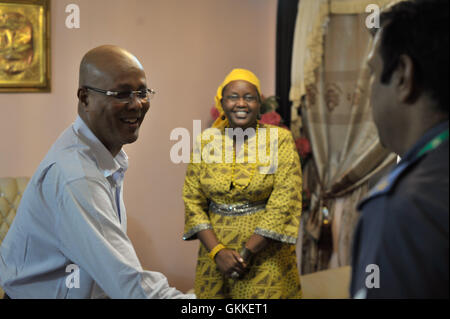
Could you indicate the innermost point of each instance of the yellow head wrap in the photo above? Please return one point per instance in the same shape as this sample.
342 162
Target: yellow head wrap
236 74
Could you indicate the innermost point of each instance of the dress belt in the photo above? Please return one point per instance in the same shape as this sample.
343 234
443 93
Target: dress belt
236 209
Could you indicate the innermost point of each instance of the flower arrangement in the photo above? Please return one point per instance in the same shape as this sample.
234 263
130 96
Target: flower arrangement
303 147
269 115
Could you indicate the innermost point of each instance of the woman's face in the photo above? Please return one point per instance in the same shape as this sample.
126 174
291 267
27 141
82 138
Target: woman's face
241 104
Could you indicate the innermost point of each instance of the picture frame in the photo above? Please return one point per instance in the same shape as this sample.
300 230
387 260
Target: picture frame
25 62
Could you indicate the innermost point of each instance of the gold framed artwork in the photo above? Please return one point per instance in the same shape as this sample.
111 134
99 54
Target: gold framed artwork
25 46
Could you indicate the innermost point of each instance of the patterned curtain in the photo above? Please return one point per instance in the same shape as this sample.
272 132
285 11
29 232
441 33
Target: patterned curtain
330 85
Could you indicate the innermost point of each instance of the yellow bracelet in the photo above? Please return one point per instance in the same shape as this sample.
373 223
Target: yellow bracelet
215 250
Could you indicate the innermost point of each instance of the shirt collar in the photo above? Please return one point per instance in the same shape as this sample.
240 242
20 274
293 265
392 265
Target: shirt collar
106 162
428 136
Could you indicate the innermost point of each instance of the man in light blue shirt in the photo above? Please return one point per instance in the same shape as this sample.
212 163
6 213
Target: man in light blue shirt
69 239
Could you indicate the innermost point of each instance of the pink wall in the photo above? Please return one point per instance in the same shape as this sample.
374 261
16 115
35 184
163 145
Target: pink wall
186 47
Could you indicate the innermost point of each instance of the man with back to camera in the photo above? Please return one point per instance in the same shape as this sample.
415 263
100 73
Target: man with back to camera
401 244
72 214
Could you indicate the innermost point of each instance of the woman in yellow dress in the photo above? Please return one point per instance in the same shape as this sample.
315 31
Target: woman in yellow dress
246 213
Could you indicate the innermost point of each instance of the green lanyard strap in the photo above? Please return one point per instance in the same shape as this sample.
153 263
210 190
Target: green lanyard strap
435 142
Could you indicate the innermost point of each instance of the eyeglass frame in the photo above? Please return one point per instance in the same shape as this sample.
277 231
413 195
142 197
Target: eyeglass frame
150 93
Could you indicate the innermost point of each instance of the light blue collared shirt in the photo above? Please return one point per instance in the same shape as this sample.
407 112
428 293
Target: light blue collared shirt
72 216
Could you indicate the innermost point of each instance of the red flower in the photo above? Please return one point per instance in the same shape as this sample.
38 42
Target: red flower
272 118
214 113
303 146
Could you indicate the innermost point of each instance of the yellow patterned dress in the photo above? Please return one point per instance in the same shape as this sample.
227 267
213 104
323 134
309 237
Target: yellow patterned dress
273 272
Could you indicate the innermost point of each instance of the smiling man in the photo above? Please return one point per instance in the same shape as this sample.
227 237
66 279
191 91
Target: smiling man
69 239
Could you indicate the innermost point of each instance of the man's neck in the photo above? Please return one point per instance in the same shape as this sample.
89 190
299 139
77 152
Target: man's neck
416 129
115 151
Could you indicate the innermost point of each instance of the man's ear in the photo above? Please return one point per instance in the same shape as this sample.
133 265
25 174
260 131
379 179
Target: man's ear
82 96
405 79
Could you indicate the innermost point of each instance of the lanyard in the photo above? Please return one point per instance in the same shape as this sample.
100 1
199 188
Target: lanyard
431 145
386 183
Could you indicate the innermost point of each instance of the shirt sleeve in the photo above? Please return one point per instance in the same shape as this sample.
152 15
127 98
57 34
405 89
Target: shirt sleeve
195 203
282 217
90 235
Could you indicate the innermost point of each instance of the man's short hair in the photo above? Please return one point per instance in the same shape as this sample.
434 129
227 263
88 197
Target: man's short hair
419 29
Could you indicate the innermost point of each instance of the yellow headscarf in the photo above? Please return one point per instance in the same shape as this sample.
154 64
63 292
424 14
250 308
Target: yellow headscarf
236 74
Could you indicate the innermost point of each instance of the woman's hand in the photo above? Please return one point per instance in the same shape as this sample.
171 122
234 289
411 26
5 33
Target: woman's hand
229 261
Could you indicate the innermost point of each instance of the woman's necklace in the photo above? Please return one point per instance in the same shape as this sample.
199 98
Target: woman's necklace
233 182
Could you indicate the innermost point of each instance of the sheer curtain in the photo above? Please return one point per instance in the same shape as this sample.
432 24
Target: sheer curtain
330 85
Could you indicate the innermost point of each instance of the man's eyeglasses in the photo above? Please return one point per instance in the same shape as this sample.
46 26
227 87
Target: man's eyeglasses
144 94
247 98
